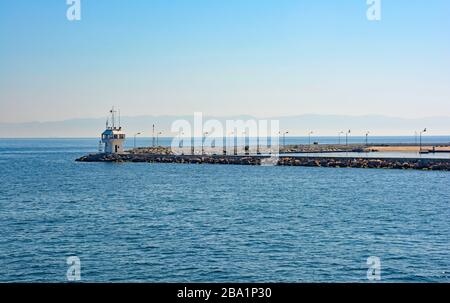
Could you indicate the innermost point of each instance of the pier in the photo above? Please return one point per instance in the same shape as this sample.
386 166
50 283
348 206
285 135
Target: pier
400 156
305 161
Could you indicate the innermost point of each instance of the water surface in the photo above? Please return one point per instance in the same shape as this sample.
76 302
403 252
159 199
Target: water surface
197 223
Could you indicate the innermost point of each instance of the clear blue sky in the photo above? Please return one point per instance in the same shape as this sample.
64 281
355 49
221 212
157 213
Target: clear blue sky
223 57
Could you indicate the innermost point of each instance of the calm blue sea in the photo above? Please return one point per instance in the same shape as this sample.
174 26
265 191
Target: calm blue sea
207 223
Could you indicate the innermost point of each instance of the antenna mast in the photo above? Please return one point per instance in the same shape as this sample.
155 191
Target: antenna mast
113 117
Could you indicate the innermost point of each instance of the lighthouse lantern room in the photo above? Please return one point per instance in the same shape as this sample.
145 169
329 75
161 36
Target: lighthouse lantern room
113 137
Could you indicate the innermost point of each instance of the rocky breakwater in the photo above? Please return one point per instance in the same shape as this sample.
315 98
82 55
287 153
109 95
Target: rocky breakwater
322 148
188 159
337 162
156 150
386 163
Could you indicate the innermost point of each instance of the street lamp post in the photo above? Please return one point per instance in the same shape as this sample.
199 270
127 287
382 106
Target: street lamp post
346 136
245 141
153 135
258 152
203 141
367 138
180 136
234 143
284 138
309 137
157 137
135 135
224 144
420 139
339 136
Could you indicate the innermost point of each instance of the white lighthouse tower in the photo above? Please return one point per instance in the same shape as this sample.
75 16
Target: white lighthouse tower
113 137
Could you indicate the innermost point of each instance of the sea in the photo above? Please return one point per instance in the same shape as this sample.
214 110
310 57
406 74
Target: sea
141 222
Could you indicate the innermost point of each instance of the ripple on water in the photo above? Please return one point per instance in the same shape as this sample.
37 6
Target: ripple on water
198 223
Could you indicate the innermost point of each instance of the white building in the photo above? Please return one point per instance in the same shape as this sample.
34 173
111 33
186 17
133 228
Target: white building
113 137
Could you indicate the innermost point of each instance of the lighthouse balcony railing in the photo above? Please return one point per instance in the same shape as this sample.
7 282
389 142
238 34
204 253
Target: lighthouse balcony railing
120 136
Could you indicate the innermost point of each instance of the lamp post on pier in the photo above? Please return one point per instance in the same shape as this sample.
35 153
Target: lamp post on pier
157 137
284 138
180 138
367 138
233 133
134 142
420 139
339 136
246 148
135 135
346 136
203 142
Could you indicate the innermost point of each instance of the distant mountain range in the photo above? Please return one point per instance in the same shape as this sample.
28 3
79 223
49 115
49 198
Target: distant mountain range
321 125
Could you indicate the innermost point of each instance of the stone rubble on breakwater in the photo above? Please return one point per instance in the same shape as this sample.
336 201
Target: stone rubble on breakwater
322 148
338 162
156 150
288 149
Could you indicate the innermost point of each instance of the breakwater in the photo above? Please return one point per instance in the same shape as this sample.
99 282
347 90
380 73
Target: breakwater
288 149
337 162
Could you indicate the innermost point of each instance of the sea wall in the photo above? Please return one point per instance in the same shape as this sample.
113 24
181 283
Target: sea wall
338 162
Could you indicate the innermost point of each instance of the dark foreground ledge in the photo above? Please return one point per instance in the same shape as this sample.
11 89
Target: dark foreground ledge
354 162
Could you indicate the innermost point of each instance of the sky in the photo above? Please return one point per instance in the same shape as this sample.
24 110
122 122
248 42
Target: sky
223 57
